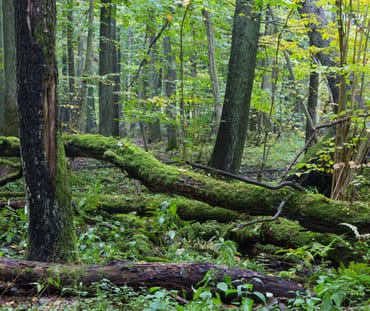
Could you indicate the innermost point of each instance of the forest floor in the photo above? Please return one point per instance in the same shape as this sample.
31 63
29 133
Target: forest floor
162 236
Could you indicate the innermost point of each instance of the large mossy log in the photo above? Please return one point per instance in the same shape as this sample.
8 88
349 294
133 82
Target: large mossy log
314 212
24 274
206 220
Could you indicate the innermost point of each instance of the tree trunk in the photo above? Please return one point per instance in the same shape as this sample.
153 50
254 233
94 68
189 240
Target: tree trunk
116 78
313 96
212 69
2 89
313 211
10 125
169 76
51 235
172 276
228 150
85 114
105 59
71 66
315 35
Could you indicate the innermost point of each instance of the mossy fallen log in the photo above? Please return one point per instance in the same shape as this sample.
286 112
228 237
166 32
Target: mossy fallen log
179 276
314 212
282 232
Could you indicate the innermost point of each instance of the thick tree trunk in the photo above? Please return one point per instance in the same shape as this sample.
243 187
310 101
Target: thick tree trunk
51 233
313 211
228 150
179 276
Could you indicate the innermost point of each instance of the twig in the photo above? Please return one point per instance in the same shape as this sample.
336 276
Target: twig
268 219
313 135
248 180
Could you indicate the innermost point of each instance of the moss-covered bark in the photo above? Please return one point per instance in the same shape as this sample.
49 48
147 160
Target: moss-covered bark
50 230
180 276
313 211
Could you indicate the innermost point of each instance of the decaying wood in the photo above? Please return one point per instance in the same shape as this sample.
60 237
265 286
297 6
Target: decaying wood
234 226
314 212
180 276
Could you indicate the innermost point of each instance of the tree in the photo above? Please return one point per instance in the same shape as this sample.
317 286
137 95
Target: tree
105 65
87 111
1 68
212 66
10 125
228 150
51 235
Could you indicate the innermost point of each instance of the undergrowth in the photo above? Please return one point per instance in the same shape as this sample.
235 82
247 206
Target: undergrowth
163 237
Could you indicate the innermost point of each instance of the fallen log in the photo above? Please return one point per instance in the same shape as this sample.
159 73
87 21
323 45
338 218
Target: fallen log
24 274
314 212
283 232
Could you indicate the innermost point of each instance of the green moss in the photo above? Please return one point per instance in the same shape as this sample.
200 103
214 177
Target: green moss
66 249
9 142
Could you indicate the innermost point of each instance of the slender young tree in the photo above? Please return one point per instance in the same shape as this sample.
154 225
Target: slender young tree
169 83
87 111
228 150
10 125
212 69
51 235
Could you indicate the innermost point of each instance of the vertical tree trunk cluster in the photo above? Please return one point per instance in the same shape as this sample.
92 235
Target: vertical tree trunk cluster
51 236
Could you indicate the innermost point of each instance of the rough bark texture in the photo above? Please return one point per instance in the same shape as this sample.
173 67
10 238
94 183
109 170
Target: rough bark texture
313 211
51 233
10 125
180 276
228 150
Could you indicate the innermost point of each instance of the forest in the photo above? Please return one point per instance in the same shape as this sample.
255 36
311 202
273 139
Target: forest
184 155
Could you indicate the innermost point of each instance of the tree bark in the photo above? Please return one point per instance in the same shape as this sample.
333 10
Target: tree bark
228 150
10 125
178 276
212 69
281 232
105 66
85 115
2 89
51 235
169 84
313 211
